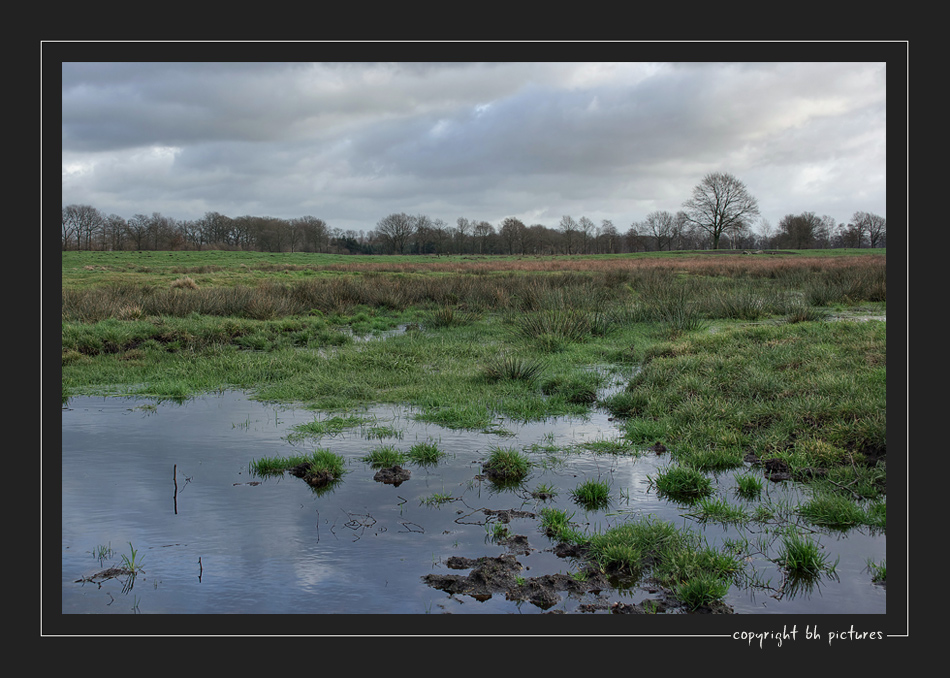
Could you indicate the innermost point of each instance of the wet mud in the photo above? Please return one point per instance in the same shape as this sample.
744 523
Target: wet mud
503 575
394 475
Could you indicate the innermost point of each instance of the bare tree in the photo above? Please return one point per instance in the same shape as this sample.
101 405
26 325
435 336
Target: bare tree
538 239
395 230
824 232
569 229
797 231
636 242
681 231
871 224
766 233
588 230
609 236
482 232
440 235
462 228
161 231
512 233
660 225
113 233
81 223
718 203
136 229
217 229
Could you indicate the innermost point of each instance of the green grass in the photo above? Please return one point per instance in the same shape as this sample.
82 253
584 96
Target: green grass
813 394
833 510
878 571
385 456
626 547
270 466
718 510
592 494
425 454
876 515
331 426
682 483
506 465
132 562
703 589
436 499
513 368
382 432
320 461
748 486
696 574
498 531
545 491
802 558
556 523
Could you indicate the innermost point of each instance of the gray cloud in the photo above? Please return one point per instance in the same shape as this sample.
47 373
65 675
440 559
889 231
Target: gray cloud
350 142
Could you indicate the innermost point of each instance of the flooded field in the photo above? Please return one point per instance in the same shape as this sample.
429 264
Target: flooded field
169 487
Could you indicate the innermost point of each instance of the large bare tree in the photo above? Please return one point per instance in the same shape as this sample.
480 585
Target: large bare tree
720 203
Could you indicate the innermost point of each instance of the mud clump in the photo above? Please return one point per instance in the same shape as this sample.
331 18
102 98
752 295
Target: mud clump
394 475
312 476
500 575
106 574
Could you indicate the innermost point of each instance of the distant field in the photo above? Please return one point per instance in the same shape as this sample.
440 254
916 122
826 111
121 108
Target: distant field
219 268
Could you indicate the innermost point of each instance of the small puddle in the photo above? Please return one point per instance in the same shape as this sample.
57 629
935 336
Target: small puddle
172 481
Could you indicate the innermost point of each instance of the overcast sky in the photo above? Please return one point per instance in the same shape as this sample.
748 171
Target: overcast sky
353 142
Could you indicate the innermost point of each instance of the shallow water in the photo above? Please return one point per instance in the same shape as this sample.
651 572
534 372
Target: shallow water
173 481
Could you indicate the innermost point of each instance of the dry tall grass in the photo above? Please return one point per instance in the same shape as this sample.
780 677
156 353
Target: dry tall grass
735 285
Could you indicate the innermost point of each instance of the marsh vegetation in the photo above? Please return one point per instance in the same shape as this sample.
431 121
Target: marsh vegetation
752 368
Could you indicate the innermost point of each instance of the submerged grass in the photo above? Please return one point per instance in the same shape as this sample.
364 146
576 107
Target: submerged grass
331 426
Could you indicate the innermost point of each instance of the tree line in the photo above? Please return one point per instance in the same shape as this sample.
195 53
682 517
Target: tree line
720 213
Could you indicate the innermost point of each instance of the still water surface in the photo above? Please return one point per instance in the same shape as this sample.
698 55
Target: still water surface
173 481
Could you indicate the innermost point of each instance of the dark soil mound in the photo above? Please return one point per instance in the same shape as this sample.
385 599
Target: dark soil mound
394 475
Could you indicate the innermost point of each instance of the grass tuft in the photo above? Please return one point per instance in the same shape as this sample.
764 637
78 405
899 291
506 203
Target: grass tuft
506 465
508 367
384 456
425 454
802 558
592 494
827 509
682 483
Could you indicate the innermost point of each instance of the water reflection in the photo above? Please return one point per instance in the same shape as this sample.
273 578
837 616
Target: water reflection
174 481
